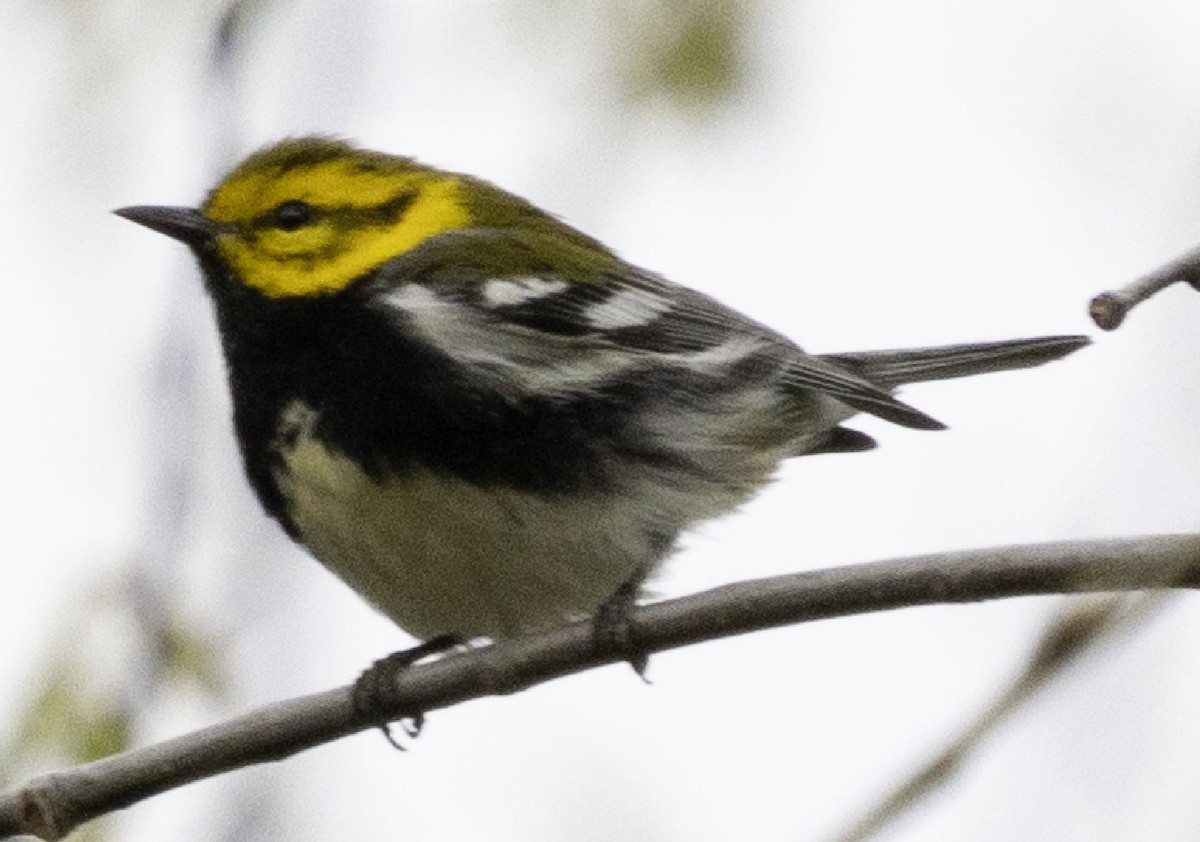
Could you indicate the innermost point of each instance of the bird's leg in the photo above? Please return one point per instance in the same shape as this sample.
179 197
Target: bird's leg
613 631
373 696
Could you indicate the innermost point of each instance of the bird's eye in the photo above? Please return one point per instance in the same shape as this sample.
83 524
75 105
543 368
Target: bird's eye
293 214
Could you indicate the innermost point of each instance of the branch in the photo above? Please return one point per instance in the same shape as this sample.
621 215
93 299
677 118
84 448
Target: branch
1109 309
51 806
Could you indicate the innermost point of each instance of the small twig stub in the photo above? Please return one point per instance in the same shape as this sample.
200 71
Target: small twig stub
1109 309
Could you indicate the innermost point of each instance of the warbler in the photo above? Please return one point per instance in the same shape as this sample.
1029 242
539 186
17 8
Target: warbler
483 419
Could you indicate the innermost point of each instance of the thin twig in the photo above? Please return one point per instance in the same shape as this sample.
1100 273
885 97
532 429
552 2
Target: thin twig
1109 309
1072 633
50 806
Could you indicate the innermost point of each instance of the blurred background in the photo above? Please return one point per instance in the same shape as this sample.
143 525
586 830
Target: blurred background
861 174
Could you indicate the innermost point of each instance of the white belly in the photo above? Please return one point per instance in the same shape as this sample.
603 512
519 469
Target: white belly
441 556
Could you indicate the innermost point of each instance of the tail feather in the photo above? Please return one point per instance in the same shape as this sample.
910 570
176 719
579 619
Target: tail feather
841 440
914 365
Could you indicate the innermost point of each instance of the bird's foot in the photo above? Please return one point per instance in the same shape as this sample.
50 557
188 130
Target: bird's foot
613 631
374 697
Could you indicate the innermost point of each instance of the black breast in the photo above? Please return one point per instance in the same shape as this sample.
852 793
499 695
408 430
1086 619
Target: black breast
392 402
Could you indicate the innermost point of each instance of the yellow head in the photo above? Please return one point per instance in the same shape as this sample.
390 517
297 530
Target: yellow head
309 215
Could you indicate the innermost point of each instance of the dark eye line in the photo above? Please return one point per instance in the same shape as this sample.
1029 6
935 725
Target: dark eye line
385 213
293 214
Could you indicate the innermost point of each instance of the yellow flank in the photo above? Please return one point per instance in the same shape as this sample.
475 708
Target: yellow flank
343 242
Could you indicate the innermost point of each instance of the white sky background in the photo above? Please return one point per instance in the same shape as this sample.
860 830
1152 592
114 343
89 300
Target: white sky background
896 174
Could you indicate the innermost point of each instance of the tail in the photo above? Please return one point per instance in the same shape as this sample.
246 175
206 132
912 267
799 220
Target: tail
890 369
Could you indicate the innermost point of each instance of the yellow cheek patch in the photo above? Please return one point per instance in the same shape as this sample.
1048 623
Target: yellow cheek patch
345 242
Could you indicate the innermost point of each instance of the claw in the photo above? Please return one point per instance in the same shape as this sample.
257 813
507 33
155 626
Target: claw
413 725
613 632
373 696
386 728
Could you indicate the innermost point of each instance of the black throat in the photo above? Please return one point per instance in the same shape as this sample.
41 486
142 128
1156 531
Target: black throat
392 402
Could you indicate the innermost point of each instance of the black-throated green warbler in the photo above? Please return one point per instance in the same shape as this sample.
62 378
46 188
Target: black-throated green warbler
482 419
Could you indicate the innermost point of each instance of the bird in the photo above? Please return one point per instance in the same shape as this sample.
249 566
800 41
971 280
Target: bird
481 418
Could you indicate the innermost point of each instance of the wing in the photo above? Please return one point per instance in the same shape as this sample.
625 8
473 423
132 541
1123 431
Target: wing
561 313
